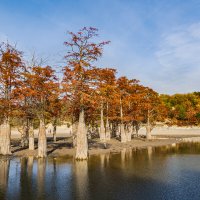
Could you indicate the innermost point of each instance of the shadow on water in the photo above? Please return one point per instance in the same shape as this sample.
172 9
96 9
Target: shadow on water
170 172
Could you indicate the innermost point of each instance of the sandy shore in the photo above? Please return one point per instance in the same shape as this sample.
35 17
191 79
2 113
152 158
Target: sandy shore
63 147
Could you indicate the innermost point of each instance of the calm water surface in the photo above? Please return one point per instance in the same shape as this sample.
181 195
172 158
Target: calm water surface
171 172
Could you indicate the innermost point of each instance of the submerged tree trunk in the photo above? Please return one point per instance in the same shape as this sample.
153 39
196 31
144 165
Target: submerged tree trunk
31 138
82 144
5 148
102 128
42 141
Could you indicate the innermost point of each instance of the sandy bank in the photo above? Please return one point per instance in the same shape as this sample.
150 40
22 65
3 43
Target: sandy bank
63 147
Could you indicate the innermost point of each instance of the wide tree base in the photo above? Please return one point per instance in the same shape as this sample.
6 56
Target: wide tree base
83 155
42 148
31 143
5 148
82 144
128 136
148 133
123 134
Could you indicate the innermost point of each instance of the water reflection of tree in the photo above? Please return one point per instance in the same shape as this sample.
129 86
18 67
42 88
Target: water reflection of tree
26 188
4 174
123 157
81 179
41 171
133 159
126 155
149 152
30 166
104 160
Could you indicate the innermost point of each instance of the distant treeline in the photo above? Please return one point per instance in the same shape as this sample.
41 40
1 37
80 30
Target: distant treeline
182 109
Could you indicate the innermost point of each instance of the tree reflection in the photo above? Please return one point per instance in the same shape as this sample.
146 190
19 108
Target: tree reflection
26 180
41 171
4 174
149 152
81 179
30 166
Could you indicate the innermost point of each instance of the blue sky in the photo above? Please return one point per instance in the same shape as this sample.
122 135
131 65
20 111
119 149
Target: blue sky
155 41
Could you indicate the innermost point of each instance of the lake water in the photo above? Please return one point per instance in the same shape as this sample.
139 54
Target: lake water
170 172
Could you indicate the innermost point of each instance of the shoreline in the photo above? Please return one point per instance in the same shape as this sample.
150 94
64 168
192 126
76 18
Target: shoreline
161 136
63 148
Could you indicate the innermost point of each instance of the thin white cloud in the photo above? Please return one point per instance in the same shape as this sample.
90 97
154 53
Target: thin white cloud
179 59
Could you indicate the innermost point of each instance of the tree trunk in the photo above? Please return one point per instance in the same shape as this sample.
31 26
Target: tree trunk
107 125
31 138
42 141
122 131
54 132
24 134
89 132
54 128
102 128
112 133
74 133
148 132
137 127
82 144
148 128
128 134
117 130
107 130
5 148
